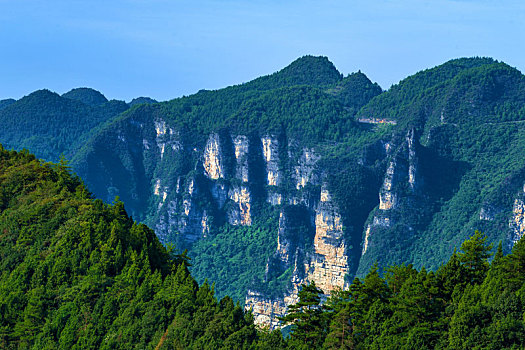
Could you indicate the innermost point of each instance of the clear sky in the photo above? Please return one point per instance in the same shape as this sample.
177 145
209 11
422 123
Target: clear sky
169 48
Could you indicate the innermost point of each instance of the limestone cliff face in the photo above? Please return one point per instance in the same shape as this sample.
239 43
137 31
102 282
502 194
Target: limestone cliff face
213 158
401 182
240 212
310 240
329 264
304 170
315 249
183 216
517 220
241 156
270 147
194 185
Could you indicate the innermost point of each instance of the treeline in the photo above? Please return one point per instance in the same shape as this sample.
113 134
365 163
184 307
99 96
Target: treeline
468 303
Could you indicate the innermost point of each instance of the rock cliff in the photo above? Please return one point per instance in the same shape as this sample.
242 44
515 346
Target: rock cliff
285 158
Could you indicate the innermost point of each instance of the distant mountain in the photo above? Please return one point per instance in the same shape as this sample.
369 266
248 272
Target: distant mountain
142 100
355 90
87 96
50 125
7 102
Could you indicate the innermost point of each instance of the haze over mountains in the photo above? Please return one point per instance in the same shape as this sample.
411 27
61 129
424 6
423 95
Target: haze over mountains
302 175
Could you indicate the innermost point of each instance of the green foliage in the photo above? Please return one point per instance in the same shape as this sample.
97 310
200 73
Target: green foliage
233 257
309 322
76 273
50 125
6 102
355 91
87 96
410 309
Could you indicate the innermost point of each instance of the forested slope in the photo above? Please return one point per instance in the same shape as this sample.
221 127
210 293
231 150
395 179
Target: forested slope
76 273
50 125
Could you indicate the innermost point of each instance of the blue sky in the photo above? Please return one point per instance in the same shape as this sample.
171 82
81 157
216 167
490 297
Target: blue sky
169 48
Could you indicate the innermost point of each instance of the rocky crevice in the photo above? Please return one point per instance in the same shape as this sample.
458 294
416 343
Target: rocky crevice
401 184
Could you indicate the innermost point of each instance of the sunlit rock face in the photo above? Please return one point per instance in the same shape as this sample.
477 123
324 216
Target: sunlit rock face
270 147
213 158
241 145
326 264
401 183
239 213
517 220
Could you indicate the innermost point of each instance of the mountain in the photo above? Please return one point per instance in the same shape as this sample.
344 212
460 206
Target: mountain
305 175
7 102
87 96
141 100
78 273
462 166
50 125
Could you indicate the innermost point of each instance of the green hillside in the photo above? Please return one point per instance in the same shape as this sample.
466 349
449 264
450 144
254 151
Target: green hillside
50 125
469 116
466 118
76 273
87 96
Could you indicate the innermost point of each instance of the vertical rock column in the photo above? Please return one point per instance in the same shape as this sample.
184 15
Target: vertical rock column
329 263
517 220
240 212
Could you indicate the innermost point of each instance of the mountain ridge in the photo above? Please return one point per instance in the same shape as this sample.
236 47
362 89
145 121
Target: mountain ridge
286 159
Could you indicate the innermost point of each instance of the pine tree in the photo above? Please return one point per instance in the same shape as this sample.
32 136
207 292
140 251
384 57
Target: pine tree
309 321
474 257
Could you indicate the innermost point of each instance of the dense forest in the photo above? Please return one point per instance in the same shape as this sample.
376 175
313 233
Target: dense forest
446 145
51 125
80 274
76 273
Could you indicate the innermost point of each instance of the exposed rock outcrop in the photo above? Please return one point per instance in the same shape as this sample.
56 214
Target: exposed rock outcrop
304 170
213 158
271 157
239 213
327 264
401 182
241 145
517 220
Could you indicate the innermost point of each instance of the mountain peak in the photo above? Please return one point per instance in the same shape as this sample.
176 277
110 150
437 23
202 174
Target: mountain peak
312 70
142 100
88 96
6 102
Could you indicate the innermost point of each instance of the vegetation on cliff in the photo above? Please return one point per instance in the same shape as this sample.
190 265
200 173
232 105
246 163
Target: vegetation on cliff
467 116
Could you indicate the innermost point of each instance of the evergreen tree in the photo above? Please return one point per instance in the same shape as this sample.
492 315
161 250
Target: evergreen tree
309 323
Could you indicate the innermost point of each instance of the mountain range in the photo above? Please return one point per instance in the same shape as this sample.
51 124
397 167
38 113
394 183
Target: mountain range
302 175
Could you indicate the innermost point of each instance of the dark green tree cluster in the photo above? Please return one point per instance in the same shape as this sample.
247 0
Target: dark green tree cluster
76 273
468 303
50 125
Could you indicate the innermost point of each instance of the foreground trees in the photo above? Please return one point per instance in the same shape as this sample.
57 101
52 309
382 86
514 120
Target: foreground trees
468 303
